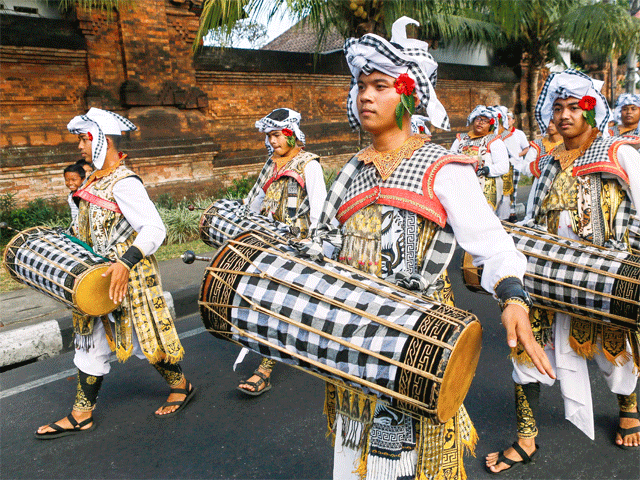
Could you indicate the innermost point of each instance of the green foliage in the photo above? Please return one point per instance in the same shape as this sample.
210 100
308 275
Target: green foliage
166 201
38 212
239 188
329 177
181 223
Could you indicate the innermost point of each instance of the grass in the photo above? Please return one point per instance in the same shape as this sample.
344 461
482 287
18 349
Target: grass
165 252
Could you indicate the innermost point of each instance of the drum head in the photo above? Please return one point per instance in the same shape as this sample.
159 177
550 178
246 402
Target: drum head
460 371
91 292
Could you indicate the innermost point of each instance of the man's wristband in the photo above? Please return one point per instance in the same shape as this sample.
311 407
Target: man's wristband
132 256
510 290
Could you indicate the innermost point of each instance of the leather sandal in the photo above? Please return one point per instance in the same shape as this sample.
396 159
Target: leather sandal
256 385
189 392
63 432
513 463
628 431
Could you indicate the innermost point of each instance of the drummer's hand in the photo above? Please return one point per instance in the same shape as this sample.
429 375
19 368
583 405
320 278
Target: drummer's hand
516 321
119 281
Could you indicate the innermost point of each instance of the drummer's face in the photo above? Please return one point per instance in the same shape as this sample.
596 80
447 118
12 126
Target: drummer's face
84 145
376 102
567 116
279 143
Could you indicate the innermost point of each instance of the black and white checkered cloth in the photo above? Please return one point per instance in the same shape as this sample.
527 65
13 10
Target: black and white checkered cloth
229 218
281 299
634 231
43 259
572 263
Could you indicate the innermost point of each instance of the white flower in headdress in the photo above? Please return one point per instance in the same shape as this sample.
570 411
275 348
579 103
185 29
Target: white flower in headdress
399 56
571 83
624 100
98 123
281 119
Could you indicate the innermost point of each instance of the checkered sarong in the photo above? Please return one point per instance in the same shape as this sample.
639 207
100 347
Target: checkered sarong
226 219
48 261
574 277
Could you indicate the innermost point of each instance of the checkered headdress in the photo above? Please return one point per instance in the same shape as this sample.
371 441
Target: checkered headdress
571 83
99 123
482 111
419 122
277 120
400 55
624 100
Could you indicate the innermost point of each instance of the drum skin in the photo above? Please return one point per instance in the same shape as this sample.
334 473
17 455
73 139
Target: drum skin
426 369
46 260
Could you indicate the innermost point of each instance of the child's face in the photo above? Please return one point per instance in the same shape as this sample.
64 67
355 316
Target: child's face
279 143
72 180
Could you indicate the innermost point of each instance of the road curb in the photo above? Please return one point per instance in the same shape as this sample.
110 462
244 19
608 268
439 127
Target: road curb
53 337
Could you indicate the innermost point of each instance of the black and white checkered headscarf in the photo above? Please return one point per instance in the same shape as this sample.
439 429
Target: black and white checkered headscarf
400 55
624 100
277 120
571 83
482 111
99 123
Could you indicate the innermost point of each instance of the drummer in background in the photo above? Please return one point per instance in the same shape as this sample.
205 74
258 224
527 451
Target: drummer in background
483 142
517 145
289 189
119 221
74 176
626 116
419 126
394 201
528 166
564 203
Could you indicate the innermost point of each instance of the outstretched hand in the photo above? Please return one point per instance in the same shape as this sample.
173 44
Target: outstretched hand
516 321
119 281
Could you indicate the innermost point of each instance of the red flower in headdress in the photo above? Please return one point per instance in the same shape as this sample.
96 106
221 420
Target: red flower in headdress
287 132
404 84
89 136
421 129
587 103
492 121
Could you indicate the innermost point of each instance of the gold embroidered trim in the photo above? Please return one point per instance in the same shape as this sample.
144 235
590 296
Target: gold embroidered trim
517 301
567 157
387 162
549 145
282 161
98 174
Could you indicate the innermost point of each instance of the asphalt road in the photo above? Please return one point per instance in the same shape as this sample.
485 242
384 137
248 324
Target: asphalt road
280 435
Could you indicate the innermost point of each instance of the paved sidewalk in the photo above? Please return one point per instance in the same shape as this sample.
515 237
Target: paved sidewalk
36 326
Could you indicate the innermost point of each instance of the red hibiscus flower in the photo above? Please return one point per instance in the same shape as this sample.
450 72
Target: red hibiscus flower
421 129
287 132
587 103
492 121
89 136
404 84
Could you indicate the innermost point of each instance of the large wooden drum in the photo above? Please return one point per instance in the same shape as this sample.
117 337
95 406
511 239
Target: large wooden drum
51 262
340 323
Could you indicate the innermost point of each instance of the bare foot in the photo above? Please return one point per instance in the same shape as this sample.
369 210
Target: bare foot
631 439
66 424
256 380
174 397
491 460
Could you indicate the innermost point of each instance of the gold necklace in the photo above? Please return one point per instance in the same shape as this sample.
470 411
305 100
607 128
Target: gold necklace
386 162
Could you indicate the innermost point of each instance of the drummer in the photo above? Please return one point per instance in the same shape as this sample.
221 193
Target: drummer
483 141
584 192
119 221
395 200
289 189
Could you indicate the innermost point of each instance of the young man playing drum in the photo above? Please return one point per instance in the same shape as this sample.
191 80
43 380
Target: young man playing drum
484 143
583 192
119 221
290 189
401 204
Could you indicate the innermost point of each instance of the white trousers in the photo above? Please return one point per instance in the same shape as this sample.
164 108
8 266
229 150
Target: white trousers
572 373
95 360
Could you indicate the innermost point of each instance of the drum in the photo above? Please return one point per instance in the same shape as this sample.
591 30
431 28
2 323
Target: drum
341 324
586 281
226 219
634 234
52 263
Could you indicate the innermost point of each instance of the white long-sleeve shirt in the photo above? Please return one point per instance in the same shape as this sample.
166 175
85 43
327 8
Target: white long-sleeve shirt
138 209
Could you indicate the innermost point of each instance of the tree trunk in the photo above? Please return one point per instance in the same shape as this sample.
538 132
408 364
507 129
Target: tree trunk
533 75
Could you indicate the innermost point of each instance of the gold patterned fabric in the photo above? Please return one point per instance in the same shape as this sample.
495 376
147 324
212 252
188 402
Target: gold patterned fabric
627 403
525 419
507 182
171 372
87 390
386 162
144 307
